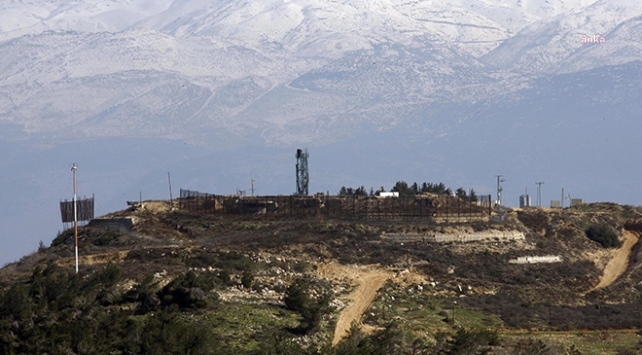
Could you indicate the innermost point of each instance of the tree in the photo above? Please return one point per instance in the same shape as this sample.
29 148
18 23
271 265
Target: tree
187 291
360 191
403 189
461 193
473 196
145 294
472 341
349 191
603 234
298 299
224 276
247 278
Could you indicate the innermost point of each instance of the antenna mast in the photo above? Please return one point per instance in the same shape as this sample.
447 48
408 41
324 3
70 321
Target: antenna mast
539 193
73 169
562 200
302 173
499 189
169 181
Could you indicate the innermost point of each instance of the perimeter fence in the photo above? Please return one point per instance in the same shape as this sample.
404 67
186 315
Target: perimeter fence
437 207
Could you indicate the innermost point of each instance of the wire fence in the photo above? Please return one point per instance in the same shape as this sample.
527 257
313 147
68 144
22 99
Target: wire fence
338 207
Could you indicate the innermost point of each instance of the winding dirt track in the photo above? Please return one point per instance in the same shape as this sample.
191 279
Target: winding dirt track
368 279
618 265
360 299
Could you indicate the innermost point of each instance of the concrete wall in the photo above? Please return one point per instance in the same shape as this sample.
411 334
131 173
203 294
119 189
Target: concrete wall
122 224
536 259
461 219
485 236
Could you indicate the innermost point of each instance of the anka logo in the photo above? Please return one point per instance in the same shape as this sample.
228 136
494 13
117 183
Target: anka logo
594 39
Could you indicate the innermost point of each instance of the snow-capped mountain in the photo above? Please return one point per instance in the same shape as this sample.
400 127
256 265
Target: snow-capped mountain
438 90
574 41
112 68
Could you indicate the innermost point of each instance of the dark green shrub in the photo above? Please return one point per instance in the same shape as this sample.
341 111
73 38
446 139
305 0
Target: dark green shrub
187 291
144 294
531 346
224 276
247 278
603 234
298 299
166 332
473 341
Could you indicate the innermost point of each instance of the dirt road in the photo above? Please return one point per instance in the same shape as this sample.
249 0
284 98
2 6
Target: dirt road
617 266
368 279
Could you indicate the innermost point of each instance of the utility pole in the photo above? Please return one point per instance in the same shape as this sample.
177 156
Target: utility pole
499 189
73 169
302 173
562 200
169 181
539 193
252 189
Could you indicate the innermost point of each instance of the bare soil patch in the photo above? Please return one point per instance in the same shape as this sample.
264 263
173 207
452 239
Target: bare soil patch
95 259
368 281
620 262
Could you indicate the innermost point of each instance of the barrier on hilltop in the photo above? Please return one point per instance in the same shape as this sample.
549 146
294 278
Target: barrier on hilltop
435 207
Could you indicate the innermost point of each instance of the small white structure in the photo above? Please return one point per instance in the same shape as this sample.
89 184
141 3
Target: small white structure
537 259
388 194
490 236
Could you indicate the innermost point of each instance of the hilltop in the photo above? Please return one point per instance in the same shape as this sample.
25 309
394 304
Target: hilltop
264 284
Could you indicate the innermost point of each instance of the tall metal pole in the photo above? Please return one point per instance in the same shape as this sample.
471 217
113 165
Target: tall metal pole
539 193
169 181
73 169
499 189
562 200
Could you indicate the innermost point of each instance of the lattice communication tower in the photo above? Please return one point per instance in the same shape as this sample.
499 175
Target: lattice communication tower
302 173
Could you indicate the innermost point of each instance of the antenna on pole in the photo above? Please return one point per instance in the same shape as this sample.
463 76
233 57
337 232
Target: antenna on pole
499 189
302 173
169 181
73 169
539 193
562 200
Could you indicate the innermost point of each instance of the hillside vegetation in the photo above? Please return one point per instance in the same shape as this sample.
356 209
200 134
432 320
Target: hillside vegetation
195 283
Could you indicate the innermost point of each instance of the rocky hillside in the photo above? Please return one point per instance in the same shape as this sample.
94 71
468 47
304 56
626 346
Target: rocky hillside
158 279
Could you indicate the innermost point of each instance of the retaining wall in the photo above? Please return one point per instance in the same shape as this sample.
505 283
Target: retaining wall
122 224
536 259
485 236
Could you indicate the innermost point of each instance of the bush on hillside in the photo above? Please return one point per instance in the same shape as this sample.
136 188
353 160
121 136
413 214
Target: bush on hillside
603 234
299 299
190 290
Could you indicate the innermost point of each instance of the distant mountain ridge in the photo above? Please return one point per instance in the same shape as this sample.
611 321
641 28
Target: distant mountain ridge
113 67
